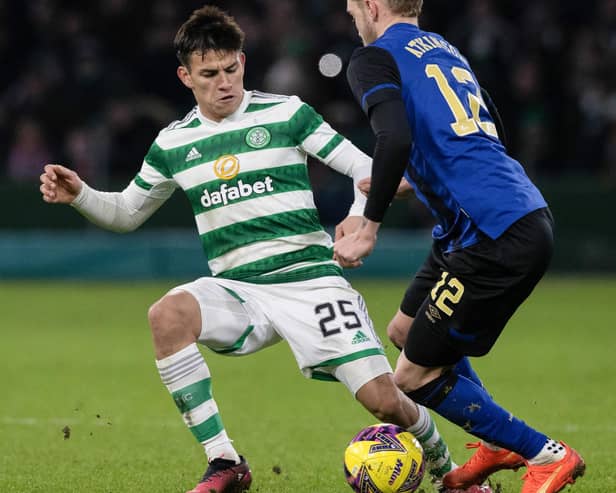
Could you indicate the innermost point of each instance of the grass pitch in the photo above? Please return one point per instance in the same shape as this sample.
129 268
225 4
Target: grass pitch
83 410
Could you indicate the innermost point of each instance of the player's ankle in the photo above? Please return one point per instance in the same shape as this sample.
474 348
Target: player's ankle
551 452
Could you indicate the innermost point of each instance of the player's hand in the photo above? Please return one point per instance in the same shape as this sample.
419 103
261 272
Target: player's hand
404 189
347 226
353 247
59 185
364 185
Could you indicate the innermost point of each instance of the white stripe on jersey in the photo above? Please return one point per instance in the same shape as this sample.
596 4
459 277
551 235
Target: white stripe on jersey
259 207
249 161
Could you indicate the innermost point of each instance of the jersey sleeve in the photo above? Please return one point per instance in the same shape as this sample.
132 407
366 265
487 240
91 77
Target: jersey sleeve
334 150
373 77
127 210
154 179
316 137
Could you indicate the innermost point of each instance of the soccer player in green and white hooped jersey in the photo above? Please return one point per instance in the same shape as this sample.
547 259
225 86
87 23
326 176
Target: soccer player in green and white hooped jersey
240 157
248 185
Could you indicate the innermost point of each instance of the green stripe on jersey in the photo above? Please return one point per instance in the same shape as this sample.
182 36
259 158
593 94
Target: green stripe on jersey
225 239
289 133
330 146
314 253
260 106
188 398
297 275
140 182
157 159
289 178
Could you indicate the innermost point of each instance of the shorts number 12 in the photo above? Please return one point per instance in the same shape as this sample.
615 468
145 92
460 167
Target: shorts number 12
451 292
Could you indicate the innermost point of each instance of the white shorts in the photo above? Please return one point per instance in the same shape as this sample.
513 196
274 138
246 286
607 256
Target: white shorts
324 321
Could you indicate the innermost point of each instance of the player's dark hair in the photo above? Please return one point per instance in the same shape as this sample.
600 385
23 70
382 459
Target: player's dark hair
208 28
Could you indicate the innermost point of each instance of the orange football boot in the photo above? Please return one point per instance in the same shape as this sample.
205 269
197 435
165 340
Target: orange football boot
481 464
550 478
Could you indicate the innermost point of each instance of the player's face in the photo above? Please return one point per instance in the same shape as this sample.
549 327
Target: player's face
217 81
360 13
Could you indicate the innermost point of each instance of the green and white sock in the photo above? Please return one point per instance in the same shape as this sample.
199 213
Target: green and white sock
438 459
187 377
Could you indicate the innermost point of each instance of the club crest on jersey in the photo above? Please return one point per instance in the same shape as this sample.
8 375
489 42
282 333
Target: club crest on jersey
227 167
258 137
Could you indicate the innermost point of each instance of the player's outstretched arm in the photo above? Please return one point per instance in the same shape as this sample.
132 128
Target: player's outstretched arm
116 211
60 185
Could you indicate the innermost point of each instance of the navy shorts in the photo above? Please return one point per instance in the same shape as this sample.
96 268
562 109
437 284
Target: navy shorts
462 300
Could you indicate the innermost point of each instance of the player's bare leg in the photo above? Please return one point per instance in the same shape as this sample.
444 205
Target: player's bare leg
398 328
384 400
175 321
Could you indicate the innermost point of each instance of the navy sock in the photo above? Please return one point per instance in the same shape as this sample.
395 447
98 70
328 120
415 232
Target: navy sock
463 402
464 368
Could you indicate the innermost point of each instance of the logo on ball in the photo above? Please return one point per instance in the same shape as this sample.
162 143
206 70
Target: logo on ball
384 458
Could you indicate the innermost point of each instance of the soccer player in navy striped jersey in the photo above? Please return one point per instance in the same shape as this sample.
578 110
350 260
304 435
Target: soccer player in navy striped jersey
492 241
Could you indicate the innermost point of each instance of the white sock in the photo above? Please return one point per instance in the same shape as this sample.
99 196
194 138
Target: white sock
187 377
551 452
491 446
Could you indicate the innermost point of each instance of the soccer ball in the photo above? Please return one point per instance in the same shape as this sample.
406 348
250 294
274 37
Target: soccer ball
384 458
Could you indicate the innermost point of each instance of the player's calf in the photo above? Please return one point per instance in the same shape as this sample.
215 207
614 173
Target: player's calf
384 401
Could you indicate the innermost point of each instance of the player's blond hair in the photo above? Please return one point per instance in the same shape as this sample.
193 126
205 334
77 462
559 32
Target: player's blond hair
405 8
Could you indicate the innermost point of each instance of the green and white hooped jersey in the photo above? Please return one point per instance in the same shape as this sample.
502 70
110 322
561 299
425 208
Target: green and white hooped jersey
247 182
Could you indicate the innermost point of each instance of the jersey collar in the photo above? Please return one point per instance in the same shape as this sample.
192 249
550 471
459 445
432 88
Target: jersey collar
400 26
235 116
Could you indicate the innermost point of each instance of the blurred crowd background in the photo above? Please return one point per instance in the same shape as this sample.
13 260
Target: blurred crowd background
91 84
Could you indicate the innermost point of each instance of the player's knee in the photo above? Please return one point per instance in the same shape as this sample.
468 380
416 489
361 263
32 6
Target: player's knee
396 334
398 328
171 316
407 380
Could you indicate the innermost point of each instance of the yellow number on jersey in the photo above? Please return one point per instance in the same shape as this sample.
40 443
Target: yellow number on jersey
464 124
